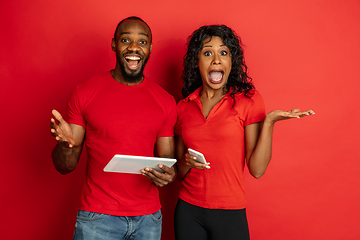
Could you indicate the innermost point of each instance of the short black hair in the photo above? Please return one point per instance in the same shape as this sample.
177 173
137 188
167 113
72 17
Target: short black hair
132 18
238 80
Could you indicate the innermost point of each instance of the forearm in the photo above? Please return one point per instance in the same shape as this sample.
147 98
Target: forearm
261 156
182 169
165 147
167 155
259 149
65 159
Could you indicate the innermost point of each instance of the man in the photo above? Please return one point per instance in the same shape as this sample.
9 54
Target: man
119 112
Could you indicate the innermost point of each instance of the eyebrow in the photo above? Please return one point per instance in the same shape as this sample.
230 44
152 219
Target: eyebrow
211 46
144 34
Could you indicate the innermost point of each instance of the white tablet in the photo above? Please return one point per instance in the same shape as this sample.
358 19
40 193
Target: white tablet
133 164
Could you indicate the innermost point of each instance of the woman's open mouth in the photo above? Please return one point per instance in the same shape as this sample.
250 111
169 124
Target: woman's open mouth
216 76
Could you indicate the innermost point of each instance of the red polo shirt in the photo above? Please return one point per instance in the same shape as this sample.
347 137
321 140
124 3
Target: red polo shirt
220 137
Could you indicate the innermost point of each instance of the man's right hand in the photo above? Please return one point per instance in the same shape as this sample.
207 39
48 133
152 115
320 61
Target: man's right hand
61 131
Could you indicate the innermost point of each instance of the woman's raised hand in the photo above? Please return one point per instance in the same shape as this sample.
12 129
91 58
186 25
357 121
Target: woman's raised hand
278 115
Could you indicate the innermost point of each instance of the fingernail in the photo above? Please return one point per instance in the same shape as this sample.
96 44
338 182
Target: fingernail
207 167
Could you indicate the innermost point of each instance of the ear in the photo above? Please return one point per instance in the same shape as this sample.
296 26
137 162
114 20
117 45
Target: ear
113 44
150 47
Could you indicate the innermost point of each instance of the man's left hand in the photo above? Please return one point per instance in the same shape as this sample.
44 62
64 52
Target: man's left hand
158 178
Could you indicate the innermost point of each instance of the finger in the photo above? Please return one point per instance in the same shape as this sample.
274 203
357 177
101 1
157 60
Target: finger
53 132
150 174
309 112
198 165
53 124
57 115
70 143
306 113
295 110
156 173
190 158
166 169
291 114
55 129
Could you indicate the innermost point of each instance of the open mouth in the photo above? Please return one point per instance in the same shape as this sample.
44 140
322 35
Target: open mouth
216 76
132 61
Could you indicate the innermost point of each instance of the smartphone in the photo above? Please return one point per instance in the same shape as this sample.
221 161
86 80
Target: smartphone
199 156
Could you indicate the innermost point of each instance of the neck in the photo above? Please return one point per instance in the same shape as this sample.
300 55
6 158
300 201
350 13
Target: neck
118 76
210 93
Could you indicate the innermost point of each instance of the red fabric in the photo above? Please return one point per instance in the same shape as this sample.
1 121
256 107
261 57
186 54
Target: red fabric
220 138
120 119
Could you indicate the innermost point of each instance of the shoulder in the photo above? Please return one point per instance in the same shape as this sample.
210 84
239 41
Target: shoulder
251 103
92 85
189 102
253 97
94 81
157 89
84 91
160 95
182 104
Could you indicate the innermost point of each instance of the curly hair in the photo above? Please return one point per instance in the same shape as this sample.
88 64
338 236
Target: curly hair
238 80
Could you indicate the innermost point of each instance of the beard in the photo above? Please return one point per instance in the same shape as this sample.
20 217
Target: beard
134 75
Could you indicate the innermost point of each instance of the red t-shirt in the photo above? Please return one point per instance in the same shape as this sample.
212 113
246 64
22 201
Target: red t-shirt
120 119
220 137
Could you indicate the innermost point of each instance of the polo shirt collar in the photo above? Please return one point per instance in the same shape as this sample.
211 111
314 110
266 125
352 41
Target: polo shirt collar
196 95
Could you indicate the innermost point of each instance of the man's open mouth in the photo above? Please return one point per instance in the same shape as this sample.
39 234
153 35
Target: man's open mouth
132 61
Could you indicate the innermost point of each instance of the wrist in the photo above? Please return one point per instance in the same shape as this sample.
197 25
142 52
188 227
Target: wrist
269 121
64 146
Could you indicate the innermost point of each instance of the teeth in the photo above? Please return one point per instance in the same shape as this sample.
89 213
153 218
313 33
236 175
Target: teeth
134 58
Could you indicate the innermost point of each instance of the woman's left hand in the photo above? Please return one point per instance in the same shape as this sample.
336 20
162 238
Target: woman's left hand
278 115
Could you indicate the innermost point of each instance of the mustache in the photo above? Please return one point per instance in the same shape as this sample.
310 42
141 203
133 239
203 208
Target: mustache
134 52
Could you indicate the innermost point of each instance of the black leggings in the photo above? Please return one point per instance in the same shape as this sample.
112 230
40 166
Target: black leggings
197 223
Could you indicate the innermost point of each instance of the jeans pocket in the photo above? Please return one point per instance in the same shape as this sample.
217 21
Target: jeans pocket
156 216
89 216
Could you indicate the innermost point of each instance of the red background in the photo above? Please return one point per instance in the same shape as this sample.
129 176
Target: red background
301 54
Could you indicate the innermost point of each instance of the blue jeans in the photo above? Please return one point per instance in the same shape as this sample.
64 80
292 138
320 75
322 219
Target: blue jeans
98 226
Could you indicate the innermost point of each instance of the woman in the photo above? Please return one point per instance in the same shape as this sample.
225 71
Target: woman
221 116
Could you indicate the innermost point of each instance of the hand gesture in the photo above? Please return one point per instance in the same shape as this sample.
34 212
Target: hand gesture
190 161
278 115
158 178
61 131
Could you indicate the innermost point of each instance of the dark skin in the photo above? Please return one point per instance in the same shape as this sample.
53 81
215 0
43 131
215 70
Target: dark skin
132 43
258 136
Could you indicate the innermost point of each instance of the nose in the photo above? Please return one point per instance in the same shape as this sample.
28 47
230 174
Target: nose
134 46
216 60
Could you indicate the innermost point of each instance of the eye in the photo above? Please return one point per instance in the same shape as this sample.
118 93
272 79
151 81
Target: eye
223 53
142 42
125 40
207 53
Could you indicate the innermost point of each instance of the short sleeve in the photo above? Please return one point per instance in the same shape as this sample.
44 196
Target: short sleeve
167 130
74 110
178 125
256 110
